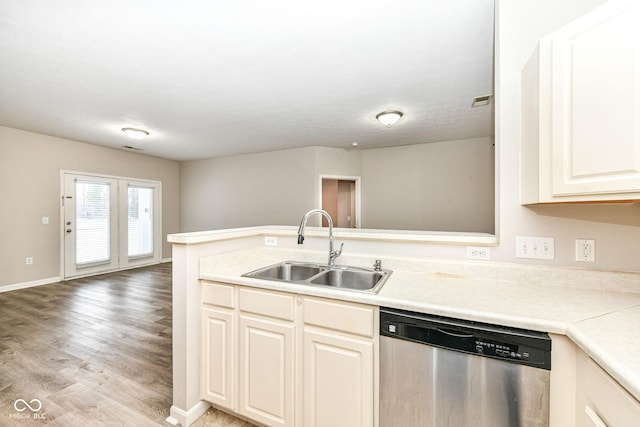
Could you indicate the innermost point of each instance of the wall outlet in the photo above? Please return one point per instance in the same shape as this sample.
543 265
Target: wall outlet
535 247
476 252
45 220
29 260
585 250
270 241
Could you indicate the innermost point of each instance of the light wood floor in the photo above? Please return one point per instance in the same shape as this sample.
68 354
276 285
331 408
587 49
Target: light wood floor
94 351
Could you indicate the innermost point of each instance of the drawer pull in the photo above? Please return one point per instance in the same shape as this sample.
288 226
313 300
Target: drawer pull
593 416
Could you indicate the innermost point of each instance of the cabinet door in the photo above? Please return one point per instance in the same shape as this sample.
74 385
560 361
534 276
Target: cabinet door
595 102
266 368
601 401
218 357
338 380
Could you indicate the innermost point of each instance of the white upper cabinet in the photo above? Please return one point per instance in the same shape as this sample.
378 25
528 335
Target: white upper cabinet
581 110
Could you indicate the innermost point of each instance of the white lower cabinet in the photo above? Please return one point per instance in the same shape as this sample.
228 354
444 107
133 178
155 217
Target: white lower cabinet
217 384
601 401
282 359
338 380
266 371
339 343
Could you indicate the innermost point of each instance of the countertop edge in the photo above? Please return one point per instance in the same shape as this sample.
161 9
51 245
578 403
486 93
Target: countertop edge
617 370
576 328
525 322
451 238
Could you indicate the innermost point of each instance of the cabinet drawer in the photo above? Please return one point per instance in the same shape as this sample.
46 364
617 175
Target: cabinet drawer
217 294
353 318
607 402
267 303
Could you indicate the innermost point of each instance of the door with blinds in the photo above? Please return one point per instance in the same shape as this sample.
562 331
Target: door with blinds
109 223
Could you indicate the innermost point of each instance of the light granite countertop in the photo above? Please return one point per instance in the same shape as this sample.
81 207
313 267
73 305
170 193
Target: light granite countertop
597 310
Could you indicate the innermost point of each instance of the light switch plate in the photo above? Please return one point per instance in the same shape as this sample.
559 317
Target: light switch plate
535 247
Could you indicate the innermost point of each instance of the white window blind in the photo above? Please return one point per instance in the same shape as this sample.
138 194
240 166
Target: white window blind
140 221
93 243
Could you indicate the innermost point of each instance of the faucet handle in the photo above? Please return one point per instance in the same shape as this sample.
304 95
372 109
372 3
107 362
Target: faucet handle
377 266
333 255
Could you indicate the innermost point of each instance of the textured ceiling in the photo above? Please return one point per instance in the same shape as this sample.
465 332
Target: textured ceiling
217 78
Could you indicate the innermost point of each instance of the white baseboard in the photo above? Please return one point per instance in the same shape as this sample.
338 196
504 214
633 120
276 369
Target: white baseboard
23 285
50 280
172 421
186 418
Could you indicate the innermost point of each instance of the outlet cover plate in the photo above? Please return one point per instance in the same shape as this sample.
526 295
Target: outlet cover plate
585 250
270 241
478 252
535 247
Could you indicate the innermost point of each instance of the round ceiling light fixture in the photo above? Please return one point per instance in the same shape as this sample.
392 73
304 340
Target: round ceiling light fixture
389 118
134 133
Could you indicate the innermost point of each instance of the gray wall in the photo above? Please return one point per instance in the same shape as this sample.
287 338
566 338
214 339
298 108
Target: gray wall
30 165
444 186
427 186
274 188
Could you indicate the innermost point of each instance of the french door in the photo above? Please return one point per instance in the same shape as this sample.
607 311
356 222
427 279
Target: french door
109 223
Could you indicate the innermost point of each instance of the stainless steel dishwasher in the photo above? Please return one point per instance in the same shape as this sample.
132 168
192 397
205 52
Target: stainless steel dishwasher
436 371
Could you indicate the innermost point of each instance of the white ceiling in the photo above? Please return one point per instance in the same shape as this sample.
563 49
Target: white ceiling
218 78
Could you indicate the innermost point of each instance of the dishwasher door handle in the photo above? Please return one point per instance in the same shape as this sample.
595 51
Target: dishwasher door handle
454 333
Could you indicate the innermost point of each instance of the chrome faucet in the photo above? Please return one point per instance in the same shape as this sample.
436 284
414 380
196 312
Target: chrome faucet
333 254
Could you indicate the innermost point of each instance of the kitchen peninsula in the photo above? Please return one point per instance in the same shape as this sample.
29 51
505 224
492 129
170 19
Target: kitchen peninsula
586 313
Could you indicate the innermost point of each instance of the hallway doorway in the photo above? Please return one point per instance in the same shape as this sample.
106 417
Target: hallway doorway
340 197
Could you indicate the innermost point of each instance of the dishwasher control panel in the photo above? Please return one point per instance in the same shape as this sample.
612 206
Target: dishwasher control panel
499 342
503 350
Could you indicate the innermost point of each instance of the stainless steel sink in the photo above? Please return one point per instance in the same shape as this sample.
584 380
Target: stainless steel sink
287 271
340 277
358 280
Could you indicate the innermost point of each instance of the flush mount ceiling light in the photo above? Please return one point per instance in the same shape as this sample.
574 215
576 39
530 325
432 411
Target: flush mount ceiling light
134 133
389 118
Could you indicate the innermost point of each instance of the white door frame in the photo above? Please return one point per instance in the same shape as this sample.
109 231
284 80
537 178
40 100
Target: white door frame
71 269
134 262
357 180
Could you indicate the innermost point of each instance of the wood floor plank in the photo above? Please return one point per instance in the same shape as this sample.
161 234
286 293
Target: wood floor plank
95 351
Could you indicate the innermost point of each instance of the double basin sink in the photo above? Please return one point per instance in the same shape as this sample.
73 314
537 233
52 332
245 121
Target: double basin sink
340 277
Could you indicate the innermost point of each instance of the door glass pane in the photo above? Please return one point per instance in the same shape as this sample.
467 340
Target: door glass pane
93 242
140 223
